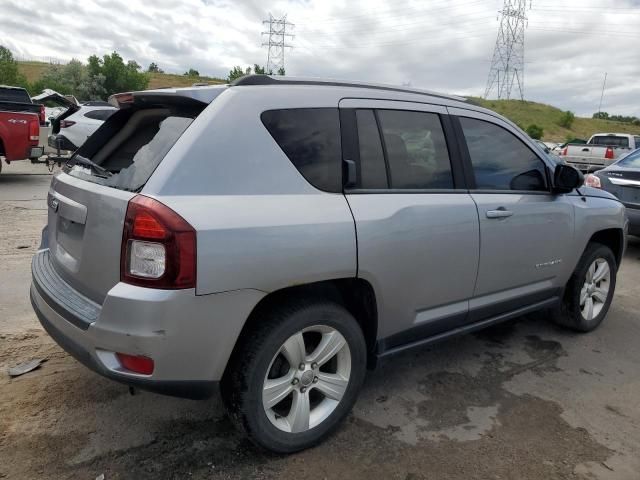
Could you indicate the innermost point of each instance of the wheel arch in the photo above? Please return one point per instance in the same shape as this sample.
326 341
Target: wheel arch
612 238
354 294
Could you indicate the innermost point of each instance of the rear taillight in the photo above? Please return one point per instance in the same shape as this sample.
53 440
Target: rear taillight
34 131
592 180
564 151
609 153
43 115
158 247
66 123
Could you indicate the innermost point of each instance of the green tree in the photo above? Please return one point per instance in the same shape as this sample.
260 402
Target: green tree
566 119
9 73
192 72
601 115
154 68
534 131
281 71
114 76
237 72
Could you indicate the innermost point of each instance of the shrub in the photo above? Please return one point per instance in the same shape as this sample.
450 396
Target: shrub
534 131
566 119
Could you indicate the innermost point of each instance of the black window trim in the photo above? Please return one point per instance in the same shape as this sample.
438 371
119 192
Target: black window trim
351 152
468 166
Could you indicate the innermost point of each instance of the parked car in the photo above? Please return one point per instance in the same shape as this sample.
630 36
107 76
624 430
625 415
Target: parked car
19 134
600 151
622 179
71 131
278 236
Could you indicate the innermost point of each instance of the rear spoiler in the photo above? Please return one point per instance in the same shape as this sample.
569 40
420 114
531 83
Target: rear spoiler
168 96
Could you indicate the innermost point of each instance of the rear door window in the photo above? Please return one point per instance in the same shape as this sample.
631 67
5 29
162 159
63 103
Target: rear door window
416 150
310 138
500 160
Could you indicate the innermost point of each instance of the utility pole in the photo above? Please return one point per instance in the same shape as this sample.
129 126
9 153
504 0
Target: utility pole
507 65
276 42
602 94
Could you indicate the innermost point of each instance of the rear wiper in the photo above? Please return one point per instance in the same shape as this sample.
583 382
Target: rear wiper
79 159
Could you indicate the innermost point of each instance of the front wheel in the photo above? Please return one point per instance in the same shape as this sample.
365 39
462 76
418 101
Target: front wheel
296 375
590 290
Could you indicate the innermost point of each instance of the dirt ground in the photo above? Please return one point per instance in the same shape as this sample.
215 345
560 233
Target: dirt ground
525 400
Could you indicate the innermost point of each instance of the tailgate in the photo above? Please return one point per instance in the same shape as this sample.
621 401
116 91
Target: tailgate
85 233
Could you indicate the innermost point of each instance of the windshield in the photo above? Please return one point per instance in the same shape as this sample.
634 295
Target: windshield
630 161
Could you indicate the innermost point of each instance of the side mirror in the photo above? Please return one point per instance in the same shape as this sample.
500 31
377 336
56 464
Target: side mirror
566 178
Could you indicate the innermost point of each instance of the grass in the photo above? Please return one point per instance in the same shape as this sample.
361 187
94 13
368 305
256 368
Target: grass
546 116
32 70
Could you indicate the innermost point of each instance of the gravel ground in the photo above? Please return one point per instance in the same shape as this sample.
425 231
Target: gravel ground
524 400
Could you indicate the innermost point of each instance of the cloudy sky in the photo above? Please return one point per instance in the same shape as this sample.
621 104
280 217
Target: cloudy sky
438 44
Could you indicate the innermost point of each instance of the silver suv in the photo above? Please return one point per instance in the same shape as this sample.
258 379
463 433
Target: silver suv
278 236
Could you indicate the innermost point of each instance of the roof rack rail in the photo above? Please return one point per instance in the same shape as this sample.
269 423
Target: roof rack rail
259 79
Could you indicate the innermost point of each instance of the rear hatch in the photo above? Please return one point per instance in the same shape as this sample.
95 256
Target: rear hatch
50 99
88 200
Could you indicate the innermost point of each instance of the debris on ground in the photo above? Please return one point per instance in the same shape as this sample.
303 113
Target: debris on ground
26 367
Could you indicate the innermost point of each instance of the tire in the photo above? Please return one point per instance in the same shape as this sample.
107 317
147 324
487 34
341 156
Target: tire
574 314
274 418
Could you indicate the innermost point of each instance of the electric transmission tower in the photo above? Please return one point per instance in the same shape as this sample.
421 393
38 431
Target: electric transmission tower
277 42
507 65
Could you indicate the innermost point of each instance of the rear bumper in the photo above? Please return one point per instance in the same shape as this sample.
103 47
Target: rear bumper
585 164
190 338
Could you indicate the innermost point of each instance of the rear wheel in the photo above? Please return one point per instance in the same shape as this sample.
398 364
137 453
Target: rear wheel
590 290
296 376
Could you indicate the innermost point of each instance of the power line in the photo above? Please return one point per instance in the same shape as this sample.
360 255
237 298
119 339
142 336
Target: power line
276 42
507 65
393 12
392 28
420 40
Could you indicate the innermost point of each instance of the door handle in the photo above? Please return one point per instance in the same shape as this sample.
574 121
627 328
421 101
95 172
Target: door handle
585 149
499 213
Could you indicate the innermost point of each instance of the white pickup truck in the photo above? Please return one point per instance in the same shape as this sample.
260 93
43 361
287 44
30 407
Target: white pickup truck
600 151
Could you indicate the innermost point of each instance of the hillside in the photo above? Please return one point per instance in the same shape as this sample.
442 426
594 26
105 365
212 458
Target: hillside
527 113
33 71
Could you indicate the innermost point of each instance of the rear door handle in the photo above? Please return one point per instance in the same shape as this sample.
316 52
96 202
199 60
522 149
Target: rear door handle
499 213
585 149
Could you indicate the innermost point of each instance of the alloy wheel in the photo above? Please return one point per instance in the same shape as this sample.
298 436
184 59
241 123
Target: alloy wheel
595 289
306 379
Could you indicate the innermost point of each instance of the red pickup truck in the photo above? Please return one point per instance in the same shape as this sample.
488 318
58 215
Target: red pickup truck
19 125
